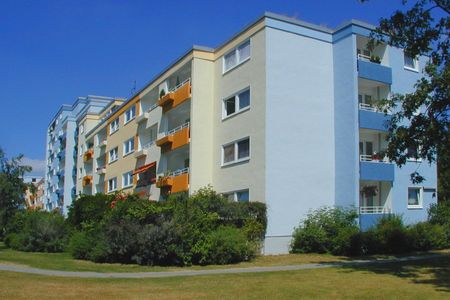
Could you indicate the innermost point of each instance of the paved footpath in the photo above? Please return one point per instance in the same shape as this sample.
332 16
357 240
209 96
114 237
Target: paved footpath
30 270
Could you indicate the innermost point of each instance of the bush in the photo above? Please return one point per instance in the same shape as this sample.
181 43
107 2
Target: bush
326 230
223 246
391 235
425 236
201 229
37 231
439 213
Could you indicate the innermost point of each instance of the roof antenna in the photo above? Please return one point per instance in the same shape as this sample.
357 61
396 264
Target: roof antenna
133 89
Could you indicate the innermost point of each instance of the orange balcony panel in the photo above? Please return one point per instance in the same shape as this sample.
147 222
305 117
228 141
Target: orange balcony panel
167 140
180 138
175 184
88 154
175 98
87 180
180 183
174 141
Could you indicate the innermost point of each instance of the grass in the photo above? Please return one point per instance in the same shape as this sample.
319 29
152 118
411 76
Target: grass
64 262
419 280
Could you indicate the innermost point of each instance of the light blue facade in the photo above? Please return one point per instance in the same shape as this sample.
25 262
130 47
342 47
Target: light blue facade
61 170
315 124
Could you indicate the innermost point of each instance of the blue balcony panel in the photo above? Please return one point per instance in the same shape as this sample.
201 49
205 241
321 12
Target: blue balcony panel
373 120
366 221
376 171
374 71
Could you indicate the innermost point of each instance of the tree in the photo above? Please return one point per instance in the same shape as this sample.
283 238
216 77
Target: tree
12 187
423 29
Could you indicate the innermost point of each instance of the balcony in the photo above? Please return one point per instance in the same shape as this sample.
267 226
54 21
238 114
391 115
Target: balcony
176 96
175 182
61 155
88 155
375 201
373 71
143 151
101 170
175 138
371 117
87 180
60 173
371 167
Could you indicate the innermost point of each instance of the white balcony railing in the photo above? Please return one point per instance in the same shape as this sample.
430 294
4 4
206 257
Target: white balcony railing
174 173
148 145
373 158
374 210
178 128
179 85
364 57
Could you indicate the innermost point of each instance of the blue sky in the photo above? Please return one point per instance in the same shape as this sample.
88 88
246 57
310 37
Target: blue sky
53 51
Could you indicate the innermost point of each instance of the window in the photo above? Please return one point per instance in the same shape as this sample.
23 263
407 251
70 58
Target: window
113 155
127 179
242 195
410 62
236 152
236 103
130 114
114 126
112 184
414 197
81 150
128 146
80 175
236 56
81 128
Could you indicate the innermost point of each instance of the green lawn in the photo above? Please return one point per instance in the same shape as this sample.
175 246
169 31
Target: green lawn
412 280
64 262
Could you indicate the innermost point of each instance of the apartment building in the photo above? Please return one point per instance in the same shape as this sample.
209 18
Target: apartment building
62 142
283 113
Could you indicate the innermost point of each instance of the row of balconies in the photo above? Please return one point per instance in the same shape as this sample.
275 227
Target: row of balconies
173 182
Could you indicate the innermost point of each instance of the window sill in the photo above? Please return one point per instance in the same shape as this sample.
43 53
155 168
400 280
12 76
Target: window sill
411 69
234 67
126 154
125 123
127 187
415 207
112 161
112 132
236 113
235 162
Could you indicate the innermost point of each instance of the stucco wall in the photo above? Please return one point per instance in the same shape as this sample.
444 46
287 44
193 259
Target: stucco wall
299 137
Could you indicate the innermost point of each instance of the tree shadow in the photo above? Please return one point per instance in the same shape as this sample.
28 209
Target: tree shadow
433 271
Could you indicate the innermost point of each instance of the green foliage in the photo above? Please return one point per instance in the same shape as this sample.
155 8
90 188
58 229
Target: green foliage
37 231
425 236
88 209
439 213
12 188
391 235
422 29
180 231
223 246
325 230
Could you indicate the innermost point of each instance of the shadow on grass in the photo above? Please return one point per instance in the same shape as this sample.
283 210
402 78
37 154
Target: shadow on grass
433 271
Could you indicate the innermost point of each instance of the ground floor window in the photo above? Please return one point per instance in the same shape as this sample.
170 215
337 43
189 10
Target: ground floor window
414 197
242 195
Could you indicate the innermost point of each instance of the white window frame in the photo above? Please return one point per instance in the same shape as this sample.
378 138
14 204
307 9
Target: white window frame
235 193
128 175
128 143
130 114
236 152
114 126
415 62
236 104
238 59
81 128
112 187
110 157
420 205
81 150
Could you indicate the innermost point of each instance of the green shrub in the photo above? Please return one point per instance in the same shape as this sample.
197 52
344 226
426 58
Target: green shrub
89 209
391 235
439 213
325 230
224 245
426 236
37 231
